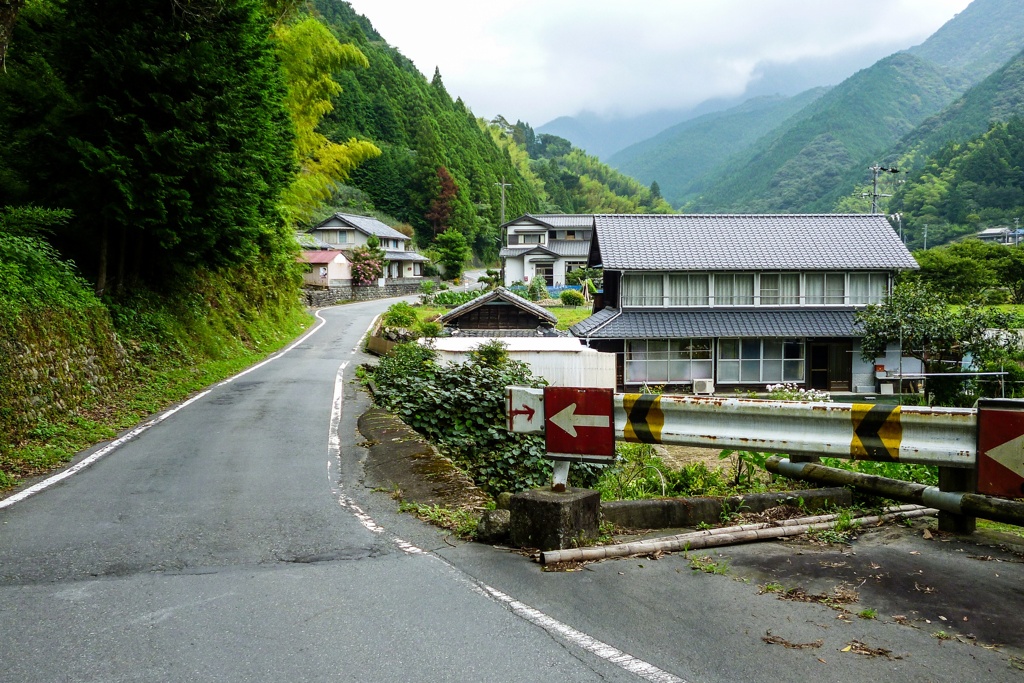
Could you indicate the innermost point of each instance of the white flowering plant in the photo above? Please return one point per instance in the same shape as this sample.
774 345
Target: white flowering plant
790 391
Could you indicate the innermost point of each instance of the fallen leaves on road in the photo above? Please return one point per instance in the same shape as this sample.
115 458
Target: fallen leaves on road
779 640
859 648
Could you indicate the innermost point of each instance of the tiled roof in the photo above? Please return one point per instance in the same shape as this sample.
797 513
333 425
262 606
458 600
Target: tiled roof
612 324
514 252
539 331
579 248
564 221
391 255
309 241
366 225
504 295
749 242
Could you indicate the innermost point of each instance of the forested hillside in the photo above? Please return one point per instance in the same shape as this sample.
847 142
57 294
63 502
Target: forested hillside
440 166
965 187
996 98
677 157
800 165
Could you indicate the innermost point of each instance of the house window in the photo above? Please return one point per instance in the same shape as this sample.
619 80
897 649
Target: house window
531 239
868 288
417 269
342 237
643 289
825 288
780 289
667 361
546 271
574 265
734 289
760 361
688 290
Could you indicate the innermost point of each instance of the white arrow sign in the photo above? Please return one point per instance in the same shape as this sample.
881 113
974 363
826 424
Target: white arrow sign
568 420
1010 455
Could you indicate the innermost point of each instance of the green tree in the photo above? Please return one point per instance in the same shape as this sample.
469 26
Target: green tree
442 207
452 252
163 131
310 54
942 337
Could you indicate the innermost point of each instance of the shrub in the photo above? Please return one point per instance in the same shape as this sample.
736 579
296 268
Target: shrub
571 297
461 408
429 329
428 291
538 289
399 314
454 297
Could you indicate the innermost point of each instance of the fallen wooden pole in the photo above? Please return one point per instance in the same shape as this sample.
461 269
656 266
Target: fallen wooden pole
710 539
969 504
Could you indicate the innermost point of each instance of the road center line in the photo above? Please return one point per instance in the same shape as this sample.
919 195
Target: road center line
120 441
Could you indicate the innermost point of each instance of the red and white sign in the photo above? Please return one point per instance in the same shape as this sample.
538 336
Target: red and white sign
1001 448
524 408
578 421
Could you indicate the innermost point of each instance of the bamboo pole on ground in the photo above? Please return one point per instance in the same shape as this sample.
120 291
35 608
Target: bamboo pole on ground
709 539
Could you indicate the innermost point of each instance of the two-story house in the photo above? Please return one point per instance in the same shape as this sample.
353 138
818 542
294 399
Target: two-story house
741 301
345 232
545 245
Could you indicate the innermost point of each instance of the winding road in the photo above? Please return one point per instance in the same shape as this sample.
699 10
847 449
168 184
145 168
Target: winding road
233 538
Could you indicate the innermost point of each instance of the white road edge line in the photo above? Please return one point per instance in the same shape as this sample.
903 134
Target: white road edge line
120 441
567 633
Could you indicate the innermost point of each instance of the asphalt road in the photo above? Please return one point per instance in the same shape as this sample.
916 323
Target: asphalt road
236 540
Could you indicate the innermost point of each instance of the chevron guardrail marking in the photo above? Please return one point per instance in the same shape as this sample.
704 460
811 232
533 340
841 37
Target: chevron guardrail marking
644 417
877 432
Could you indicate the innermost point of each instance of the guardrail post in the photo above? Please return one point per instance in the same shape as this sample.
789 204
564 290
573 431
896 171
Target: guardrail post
957 480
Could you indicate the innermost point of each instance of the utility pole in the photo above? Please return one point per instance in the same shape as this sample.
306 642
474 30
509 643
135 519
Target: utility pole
898 217
875 170
501 238
926 237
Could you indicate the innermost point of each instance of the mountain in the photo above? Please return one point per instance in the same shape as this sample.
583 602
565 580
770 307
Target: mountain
677 156
810 162
977 41
441 167
605 135
996 98
793 167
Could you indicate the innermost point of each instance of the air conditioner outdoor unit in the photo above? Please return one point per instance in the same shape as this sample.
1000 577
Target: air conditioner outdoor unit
703 386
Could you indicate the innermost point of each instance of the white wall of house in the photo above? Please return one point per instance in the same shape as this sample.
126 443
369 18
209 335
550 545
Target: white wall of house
562 361
513 270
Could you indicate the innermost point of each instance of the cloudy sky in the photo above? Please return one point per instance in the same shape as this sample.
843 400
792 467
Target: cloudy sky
538 59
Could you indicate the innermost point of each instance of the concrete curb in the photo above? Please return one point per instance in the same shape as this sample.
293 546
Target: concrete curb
672 513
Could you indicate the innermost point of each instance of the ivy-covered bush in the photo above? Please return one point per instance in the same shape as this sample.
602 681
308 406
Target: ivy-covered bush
461 408
455 297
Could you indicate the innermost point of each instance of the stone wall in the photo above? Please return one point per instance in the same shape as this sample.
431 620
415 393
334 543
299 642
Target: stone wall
51 365
318 297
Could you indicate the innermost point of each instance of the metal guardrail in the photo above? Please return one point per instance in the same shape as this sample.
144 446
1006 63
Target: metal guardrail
946 437
862 431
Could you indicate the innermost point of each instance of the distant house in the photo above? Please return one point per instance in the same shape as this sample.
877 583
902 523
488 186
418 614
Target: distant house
698 302
1001 235
345 232
546 245
499 313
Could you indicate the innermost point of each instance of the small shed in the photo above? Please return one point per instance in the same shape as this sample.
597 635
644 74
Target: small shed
498 311
325 268
562 361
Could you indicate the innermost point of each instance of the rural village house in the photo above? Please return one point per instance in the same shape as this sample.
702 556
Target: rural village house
724 302
546 245
344 232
